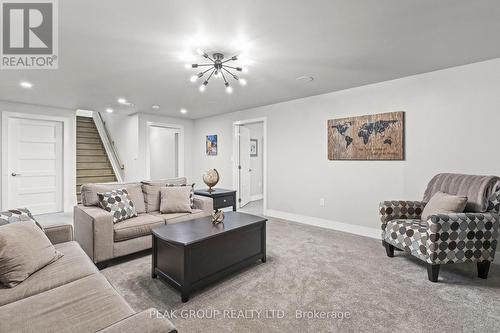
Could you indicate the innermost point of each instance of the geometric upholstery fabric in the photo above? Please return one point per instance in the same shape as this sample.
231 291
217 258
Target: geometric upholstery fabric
118 203
446 239
16 216
442 238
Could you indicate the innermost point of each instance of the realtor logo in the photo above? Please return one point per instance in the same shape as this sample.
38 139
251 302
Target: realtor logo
29 34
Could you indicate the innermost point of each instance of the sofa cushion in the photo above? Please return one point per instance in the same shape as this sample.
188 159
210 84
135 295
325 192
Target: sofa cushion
89 193
176 199
24 249
151 191
117 203
136 227
74 265
444 203
150 320
85 305
16 216
181 217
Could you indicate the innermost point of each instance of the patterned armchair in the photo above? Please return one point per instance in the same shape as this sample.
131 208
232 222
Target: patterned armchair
443 238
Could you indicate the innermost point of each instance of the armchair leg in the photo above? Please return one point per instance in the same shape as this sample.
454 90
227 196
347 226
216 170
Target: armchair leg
433 272
389 249
483 268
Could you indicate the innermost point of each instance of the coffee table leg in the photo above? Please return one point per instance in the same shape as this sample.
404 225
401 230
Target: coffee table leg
184 297
263 259
153 264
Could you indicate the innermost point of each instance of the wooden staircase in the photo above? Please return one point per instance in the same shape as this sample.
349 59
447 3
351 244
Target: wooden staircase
92 163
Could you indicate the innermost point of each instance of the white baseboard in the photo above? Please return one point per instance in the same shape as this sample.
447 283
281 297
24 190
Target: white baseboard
256 197
318 222
350 228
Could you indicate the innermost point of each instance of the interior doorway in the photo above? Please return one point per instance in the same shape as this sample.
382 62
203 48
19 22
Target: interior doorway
33 164
250 164
165 151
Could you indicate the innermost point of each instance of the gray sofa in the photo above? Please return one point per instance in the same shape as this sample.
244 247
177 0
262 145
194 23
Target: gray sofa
70 295
102 240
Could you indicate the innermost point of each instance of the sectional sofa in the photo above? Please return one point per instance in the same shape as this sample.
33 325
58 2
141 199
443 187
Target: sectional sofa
70 295
103 240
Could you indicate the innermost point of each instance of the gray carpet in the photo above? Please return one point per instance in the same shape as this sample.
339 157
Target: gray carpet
310 268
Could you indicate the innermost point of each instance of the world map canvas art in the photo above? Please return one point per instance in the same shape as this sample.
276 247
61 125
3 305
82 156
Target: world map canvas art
372 137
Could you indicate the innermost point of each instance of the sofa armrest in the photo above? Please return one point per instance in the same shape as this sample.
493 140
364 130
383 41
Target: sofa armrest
204 203
400 209
467 237
60 233
94 232
147 321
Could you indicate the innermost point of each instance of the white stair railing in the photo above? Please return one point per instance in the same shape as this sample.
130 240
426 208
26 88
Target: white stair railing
109 146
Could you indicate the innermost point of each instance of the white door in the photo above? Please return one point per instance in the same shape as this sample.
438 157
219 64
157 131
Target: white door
245 181
163 152
35 165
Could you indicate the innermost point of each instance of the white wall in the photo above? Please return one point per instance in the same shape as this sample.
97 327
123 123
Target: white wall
69 118
452 119
131 136
256 163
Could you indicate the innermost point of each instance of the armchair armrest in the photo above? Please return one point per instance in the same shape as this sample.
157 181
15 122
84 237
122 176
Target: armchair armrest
204 203
94 232
60 233
463 237
400 209
148 321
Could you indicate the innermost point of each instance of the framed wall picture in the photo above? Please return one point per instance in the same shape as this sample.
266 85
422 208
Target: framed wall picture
254 144
211 144
371 137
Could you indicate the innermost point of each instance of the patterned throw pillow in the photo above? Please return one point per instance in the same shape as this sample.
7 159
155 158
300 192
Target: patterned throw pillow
191 196
118 203
16 216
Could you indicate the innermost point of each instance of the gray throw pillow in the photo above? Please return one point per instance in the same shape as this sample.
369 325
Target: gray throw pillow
151 190
117 203
444 203
24 249
175 199
16 216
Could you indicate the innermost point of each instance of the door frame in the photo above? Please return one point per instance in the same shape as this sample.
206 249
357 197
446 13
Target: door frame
67 198
180 158
236 152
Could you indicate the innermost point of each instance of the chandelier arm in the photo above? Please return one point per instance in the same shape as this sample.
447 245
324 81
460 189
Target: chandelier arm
208 79
199 65
229 59
208 57
234 76
235 68
207 70
224 77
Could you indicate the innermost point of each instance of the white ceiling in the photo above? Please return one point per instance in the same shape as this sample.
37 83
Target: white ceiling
137 49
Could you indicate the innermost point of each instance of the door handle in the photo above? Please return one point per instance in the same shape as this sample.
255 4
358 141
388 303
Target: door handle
14 174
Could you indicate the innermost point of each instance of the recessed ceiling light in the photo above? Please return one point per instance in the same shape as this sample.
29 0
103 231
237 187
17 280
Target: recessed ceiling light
109 110
305 79
156 107
26 84
184 111
122 100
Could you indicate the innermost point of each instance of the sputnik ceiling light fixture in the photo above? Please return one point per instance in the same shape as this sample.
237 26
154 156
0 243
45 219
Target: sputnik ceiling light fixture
219 68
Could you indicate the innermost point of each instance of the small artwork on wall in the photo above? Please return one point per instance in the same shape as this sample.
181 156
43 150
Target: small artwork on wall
371 137
254 143
212 145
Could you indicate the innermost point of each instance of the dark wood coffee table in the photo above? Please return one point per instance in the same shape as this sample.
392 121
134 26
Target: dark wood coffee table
189 255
